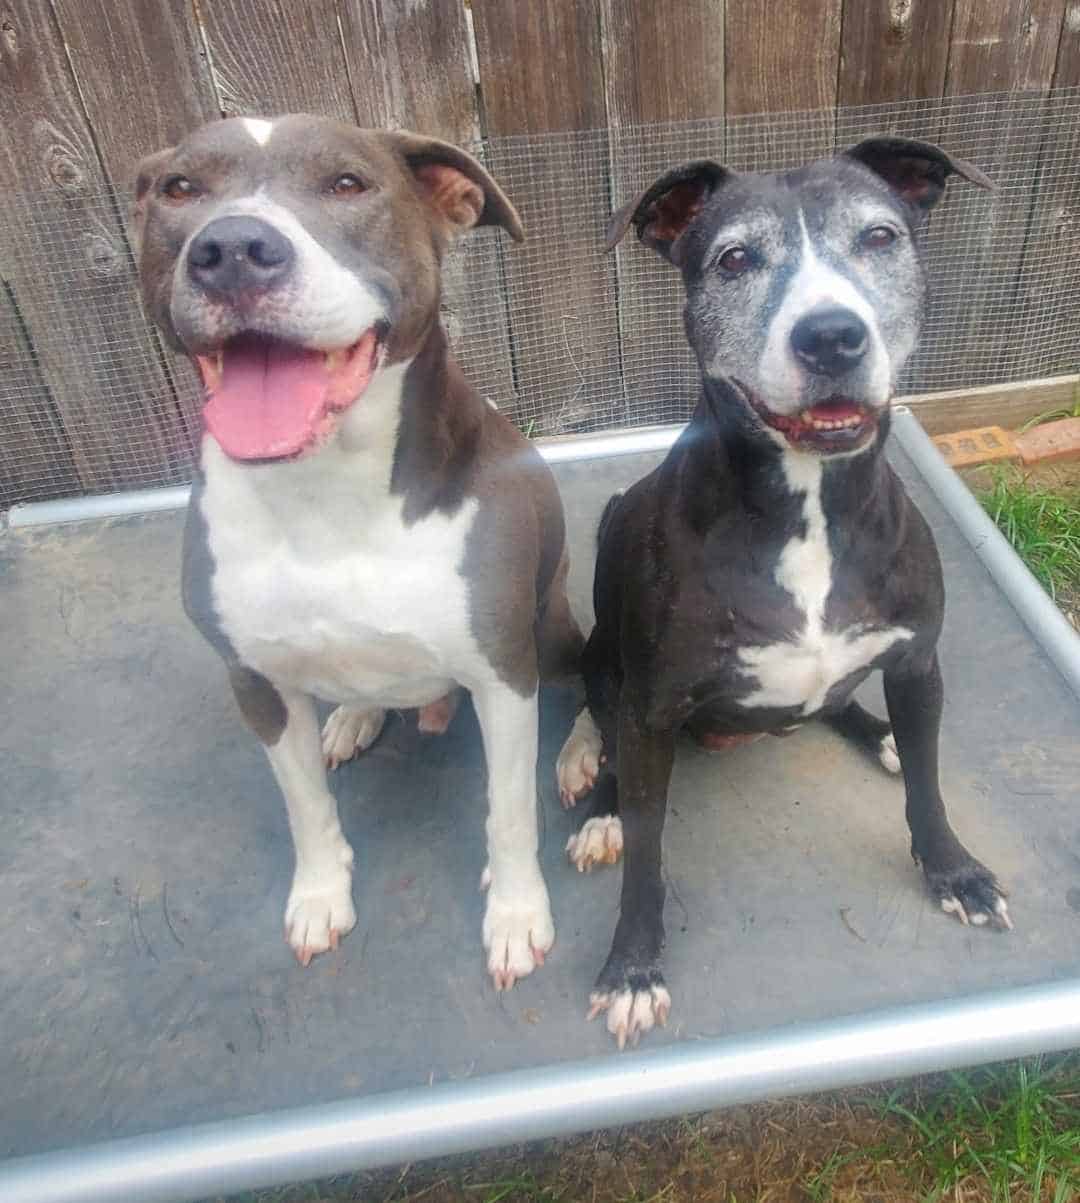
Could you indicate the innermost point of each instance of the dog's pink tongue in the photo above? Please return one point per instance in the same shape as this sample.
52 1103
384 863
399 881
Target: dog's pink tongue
271 401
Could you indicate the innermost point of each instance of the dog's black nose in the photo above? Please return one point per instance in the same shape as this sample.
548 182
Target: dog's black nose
831 340
232 254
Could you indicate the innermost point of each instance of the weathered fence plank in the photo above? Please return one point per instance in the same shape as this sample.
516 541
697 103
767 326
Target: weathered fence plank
1067 67
410 67
277 56
35 460
559 334
142 75
893 51
979 243
64 256
1048 284
659 67
156 89
781 58
541 70
660 72
1003 46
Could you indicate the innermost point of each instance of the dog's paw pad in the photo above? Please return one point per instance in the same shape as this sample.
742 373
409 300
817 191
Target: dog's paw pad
316 919
579 761
888 755
973 895
518 936
632 1012
348 731
599 842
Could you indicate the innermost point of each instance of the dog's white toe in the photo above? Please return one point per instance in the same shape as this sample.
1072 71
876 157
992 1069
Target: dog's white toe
317 917
599 842
888 755
518 934
348 731
579 761
631 1014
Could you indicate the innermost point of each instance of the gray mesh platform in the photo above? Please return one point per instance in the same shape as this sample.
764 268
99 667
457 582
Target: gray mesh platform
145 860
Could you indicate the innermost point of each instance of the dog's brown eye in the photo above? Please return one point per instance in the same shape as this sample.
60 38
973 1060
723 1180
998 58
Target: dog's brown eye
735 260
877 238
347 185
179 188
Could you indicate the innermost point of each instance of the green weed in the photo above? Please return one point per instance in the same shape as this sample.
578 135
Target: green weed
1042 524
1011 1132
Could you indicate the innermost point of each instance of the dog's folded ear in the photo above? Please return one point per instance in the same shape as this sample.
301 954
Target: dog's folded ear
455 185
916 170
146 176
664 211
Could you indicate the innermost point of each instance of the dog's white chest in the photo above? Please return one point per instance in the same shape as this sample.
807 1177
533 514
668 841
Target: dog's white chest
801 673
328 591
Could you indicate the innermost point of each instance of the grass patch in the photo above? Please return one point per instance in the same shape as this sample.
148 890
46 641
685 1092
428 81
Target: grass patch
1011 1132
1006 1134
1043 525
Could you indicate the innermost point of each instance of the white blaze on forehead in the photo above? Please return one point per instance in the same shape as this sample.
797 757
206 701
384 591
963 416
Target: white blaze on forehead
258 128
816 284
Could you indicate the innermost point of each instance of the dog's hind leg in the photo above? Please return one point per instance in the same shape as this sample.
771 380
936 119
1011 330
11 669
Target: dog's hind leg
599 841
559 641
867 731
349 730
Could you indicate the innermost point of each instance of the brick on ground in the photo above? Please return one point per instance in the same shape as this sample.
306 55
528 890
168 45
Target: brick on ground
1050 442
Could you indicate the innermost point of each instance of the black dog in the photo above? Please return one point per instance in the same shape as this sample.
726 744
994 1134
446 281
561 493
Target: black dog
773 560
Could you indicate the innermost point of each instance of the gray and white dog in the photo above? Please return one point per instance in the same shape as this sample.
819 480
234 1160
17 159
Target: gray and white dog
363 527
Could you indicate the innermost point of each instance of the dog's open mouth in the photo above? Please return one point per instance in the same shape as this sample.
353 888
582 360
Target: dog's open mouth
267 399
837 424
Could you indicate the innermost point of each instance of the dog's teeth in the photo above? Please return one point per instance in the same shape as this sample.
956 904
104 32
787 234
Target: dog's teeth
807 420
334 360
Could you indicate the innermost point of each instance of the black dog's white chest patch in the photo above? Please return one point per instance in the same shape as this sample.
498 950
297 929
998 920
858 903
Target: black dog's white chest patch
799 673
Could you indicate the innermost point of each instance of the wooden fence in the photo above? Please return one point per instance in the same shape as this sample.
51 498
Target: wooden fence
87 87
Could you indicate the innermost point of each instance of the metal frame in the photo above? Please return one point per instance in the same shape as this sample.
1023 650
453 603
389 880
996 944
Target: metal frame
1043 619
149 501
457 1117
387 1129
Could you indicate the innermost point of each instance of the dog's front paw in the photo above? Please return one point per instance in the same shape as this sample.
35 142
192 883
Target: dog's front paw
599 842
579 761
348 731
634 1003
518 930
319 912
970 892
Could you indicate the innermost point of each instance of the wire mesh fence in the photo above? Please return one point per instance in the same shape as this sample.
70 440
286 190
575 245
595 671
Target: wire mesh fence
561 336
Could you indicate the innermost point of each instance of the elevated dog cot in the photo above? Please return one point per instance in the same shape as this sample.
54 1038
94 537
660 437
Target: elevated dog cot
160 1043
